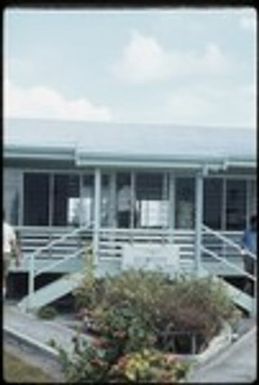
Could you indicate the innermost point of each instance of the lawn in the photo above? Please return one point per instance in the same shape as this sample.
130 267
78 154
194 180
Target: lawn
17 371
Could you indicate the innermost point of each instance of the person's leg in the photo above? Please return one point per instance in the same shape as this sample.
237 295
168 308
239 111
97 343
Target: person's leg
249 268
5 273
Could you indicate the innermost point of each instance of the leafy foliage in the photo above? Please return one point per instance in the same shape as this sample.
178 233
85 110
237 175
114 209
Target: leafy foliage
133 318
146 308
47 312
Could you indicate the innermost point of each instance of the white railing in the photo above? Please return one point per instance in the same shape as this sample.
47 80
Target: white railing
226 240
224 260
111 241
39 238
50 267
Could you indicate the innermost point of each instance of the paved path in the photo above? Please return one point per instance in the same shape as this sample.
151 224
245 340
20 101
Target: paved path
37 329
235 365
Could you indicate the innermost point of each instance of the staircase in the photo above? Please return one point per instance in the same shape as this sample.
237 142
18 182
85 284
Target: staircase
52 291
111 243
68 282
240 298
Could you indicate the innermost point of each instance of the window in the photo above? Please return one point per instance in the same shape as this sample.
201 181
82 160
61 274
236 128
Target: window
184 203
12 182
152 200
66 210
212 205
36 199
87 200
236 205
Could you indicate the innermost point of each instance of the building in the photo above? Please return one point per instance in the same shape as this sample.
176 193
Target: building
67 184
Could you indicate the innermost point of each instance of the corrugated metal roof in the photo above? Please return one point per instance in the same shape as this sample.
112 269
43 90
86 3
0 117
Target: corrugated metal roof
132 140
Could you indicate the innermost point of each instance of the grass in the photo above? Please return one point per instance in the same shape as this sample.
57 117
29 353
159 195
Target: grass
17 371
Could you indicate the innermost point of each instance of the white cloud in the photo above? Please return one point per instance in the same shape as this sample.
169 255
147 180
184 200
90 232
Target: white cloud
248 22
145 60
219 105
46 103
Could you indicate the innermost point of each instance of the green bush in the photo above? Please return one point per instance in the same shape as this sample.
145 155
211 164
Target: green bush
136 315
149 366
144 309
91 363
47 312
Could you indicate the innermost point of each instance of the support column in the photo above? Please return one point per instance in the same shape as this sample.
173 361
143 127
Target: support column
132 200
21 202
198 221
171 209
113 208
97 210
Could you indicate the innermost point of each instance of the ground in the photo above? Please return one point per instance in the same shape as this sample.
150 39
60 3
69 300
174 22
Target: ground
17 371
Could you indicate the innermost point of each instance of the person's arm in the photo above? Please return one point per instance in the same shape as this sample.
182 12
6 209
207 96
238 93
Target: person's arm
16 249
17 254
244 243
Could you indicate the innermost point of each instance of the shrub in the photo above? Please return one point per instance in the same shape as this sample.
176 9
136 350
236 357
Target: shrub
92 364
145 309
135 316
149 366
47 312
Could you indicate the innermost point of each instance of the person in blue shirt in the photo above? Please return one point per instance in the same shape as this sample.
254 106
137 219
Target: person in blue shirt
249 243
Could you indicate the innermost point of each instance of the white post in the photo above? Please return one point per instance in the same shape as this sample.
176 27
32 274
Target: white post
113 208
31 281
198 221
97 210
171 208
132 200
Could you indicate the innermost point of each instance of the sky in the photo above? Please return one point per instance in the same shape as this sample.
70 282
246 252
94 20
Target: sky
189 66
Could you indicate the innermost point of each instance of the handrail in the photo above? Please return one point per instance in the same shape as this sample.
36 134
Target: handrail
229 241
57 241
33 273
148 231
56 263
233 266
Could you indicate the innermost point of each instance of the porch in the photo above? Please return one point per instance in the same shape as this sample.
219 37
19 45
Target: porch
61 214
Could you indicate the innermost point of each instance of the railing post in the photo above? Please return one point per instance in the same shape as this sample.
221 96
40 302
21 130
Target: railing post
31 281
97 208
193 343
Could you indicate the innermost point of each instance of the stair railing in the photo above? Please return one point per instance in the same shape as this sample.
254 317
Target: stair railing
33 274
228 241
243 272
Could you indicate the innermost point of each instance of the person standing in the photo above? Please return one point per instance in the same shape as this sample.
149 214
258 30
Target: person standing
124 207
10 248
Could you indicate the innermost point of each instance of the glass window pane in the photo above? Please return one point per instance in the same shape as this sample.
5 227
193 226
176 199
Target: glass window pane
108 200
36 199
184 203
66 210
236 205
87 199
12 179
123 193
212 205
152 200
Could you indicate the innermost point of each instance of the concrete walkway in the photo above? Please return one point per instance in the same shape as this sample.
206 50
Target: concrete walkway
28 337
42 331
235 365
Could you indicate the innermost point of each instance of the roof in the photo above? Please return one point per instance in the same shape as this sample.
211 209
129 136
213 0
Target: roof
94 141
